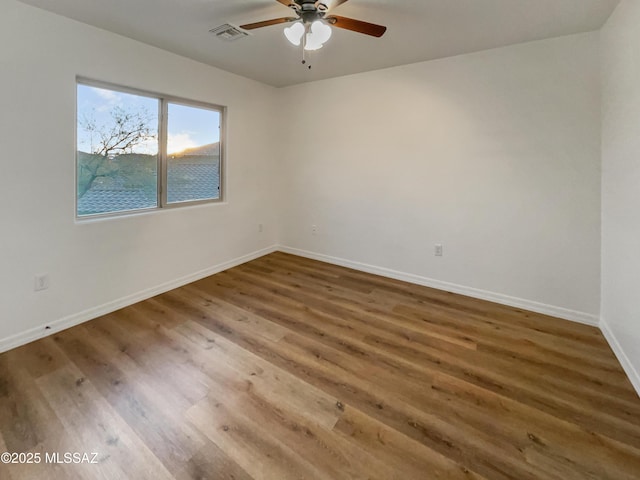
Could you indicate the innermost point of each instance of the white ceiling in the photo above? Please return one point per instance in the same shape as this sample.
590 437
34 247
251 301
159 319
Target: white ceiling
418 30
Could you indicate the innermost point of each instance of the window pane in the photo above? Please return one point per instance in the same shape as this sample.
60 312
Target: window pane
117 151
193 153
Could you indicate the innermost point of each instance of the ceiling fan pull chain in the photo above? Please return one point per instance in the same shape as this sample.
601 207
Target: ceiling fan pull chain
304 47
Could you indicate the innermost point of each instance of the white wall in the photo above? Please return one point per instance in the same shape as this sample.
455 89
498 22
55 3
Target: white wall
621 185
94 264
494 154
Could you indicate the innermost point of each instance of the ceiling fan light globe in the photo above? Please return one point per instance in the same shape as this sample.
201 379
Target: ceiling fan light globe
294 33
311 46
320 31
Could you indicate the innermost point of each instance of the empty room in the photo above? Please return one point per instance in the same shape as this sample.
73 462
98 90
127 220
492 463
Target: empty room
320 239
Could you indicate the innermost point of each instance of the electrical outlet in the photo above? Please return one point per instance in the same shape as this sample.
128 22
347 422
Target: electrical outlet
314 229
438 250
260 228
41 282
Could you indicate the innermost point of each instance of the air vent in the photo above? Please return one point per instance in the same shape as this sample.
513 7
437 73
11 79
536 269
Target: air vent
229 32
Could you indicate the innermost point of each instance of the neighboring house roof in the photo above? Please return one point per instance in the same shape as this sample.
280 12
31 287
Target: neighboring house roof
187 181
97 200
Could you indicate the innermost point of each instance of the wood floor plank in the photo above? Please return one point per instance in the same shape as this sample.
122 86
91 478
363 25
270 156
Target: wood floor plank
87 416
26 419
295 426
5 471
563 367
337 304
502 329
394 448
238 368
411 410
510 422
393 290
263 456
333 455
371 314
549 436
317 373
289 368
615 385
158 425
39 358
211 463
146 360
617 420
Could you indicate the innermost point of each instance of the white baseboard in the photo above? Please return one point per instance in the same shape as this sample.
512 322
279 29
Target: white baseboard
44 330
552 310
81 317
627 366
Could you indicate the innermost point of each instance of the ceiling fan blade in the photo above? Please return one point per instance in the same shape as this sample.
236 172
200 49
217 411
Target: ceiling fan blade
290 3
357 25
330 4
267 23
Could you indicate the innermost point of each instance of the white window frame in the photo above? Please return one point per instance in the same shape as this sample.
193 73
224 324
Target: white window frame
162 161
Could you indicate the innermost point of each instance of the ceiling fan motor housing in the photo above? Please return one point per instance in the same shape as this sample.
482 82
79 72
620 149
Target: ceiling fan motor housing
307 5
309 10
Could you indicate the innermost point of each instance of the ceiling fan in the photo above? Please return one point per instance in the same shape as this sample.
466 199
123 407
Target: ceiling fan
312 23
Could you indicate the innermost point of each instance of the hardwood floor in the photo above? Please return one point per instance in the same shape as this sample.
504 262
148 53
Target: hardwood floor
287 368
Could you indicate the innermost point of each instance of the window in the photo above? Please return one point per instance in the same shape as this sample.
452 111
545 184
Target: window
139 151
193 146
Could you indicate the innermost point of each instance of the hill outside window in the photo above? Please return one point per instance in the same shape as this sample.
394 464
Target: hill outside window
138 151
